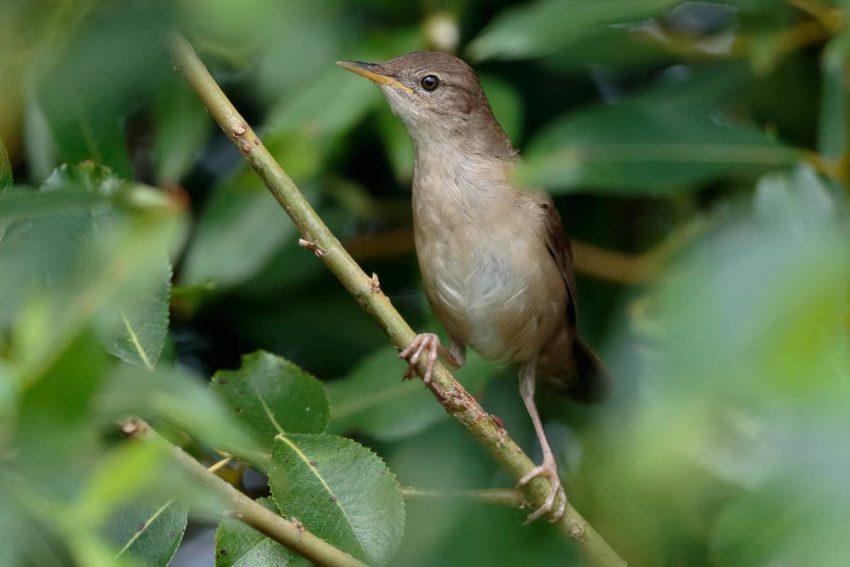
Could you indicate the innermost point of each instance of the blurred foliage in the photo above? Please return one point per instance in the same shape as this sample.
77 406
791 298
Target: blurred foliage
140 256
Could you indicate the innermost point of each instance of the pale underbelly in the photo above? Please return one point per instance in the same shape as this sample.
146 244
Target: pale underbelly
495 298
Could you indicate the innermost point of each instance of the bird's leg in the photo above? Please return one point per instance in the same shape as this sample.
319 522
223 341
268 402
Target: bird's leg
455 356
548 468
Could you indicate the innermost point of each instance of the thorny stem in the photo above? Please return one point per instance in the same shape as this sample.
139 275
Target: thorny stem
286 532
451 394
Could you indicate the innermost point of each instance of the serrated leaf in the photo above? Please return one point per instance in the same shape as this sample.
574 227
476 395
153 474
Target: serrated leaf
78 209
542 27
148 532
239 545
341 491
144 325
271 395
373 400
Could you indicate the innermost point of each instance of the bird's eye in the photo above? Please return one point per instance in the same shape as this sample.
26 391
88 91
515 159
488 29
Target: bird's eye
430 82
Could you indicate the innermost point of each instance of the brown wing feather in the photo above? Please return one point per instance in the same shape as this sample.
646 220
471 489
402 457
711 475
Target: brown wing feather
586 378
561 250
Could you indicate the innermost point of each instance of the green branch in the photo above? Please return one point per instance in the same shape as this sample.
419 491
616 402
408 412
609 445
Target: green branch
288 533
317 237
510 497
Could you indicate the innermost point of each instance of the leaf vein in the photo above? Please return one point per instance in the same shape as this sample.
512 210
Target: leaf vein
330 492
144 527
137 343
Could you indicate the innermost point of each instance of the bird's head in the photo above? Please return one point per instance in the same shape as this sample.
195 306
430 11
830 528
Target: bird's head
436 95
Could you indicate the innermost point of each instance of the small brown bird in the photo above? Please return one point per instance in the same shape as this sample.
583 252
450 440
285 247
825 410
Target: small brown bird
495 261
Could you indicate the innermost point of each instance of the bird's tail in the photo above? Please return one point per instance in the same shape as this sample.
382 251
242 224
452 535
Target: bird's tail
583 378
593 383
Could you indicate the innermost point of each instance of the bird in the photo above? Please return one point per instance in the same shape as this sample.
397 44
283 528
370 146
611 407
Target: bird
495 261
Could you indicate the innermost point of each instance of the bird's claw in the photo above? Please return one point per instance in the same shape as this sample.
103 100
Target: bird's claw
413 352
556 491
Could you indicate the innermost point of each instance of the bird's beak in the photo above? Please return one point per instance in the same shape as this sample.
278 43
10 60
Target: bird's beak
372 72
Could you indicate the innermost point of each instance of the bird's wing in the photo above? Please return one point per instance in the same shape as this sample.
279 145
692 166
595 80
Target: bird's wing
558 244
589 381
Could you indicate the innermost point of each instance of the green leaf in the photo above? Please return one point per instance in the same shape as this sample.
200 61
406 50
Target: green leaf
38 141
147 531
270 395
622 49
87 176
506 104
77 216
17 204
667 139
10 523
341 492
794 201
89 87
5 169
239 229
117 500
119 475
834 128
372 399
531 30
181 127
144 325
240 545
54 422
180 399
397 144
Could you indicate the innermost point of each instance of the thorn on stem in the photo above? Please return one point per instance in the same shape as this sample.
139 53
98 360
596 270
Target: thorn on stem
375 283
311 246
132 428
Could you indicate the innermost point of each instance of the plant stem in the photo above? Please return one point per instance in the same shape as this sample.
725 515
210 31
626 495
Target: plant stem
450 393
288 533
509 497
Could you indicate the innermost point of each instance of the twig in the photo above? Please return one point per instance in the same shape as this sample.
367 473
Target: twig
454 398
218 465
289 533
510 497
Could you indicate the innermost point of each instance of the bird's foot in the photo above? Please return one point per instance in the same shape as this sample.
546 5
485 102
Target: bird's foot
418 346
556 491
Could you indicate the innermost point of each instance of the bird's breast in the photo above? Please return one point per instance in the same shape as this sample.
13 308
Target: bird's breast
486 270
